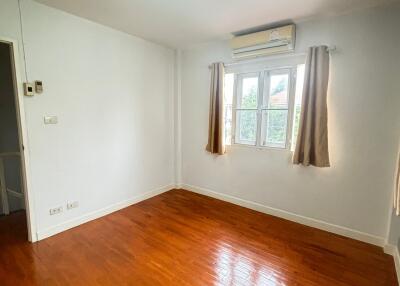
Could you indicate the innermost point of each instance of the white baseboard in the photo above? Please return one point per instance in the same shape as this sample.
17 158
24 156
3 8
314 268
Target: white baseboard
394 251
344 231
42 234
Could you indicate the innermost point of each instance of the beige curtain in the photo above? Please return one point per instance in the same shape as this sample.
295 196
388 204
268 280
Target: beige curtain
396 199
216 143
312 138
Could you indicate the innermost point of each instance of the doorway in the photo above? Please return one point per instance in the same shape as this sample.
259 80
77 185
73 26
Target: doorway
14 196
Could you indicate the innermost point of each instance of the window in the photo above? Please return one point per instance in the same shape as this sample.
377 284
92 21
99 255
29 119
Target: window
263 108
297 103
228 97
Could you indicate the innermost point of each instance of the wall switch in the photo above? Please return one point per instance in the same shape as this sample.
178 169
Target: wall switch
56 211
38 86
28 89
72 205
50 120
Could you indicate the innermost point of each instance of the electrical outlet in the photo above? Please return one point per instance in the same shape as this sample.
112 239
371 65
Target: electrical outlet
56 211
72 205
50 120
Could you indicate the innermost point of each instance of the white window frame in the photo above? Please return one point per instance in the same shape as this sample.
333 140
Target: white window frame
263 93
238 91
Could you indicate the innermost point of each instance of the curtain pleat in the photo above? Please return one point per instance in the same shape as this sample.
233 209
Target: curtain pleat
312 138
216 143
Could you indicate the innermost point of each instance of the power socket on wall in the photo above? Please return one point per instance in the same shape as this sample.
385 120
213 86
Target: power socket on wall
72 205
56 210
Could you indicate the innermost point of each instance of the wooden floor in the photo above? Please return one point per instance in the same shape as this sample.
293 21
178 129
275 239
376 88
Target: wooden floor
181 238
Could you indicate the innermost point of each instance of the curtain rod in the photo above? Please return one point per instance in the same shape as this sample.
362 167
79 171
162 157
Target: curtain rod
331 49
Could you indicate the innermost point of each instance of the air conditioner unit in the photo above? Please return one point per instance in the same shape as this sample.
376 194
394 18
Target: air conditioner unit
272 41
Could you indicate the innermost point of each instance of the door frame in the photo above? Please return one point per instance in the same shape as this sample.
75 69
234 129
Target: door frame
17 69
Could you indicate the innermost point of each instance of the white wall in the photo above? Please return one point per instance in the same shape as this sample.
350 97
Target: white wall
356 191
113 95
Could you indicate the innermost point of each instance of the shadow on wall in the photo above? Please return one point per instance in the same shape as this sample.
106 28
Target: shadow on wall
9 129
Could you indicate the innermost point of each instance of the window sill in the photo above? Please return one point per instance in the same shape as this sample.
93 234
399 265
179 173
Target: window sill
258 148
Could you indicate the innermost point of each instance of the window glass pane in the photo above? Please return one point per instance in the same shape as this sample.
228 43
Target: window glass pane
278 91
228 124
246 126
249 93
228 96
297 103
274 125
228 88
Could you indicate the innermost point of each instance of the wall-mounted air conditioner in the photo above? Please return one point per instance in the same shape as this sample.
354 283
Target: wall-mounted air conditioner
272 41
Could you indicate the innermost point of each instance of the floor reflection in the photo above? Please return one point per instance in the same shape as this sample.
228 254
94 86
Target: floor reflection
234 268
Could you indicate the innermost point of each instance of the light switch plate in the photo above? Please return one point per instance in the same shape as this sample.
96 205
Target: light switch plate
50 120
28 89
38 86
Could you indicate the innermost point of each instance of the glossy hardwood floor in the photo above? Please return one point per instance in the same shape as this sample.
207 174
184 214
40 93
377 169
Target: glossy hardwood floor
181 238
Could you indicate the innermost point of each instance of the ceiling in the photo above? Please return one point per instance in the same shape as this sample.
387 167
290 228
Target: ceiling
180 23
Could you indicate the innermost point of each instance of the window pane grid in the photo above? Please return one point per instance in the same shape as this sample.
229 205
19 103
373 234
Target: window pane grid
246 108
275 128
275 109
263 108
246 121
